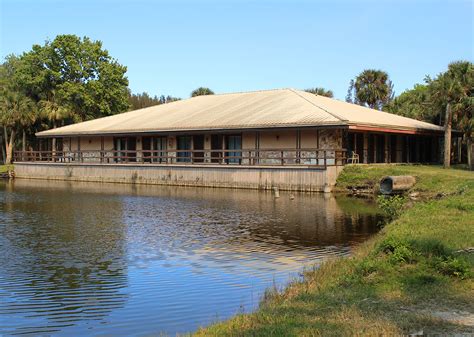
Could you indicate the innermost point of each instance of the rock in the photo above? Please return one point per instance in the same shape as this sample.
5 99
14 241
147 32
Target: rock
414 195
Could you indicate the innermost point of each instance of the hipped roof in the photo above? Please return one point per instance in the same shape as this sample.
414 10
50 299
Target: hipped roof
281 108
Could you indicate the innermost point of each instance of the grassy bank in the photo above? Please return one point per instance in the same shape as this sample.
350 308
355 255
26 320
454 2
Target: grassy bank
5 168
416 275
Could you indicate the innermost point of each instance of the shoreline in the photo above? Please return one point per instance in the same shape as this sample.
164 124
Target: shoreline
413 277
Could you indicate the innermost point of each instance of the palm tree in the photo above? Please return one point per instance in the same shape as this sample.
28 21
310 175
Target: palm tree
453 91
372 88
17 112
55 114
201 91
321 92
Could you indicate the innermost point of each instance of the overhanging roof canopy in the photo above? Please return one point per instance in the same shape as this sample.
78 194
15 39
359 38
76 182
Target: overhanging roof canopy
248 110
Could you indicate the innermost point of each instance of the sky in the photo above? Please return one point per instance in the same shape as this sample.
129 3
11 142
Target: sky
173 47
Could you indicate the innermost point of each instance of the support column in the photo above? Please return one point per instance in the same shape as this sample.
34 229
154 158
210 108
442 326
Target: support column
366 148
298 146
407 145
459 143
387 149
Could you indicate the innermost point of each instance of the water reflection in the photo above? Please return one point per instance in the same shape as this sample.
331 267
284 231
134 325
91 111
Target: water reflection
63 258
124 259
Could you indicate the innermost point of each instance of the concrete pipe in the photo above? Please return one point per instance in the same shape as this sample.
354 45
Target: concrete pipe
396 184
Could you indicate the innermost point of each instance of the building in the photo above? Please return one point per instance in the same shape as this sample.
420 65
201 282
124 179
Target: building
285 131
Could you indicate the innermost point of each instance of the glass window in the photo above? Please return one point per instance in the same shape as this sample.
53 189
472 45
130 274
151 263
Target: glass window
234 142
183 144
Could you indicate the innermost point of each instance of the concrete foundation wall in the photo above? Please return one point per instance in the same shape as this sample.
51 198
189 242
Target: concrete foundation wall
285 178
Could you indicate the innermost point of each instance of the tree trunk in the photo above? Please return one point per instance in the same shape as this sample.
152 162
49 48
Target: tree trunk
447 137
9 145
470 154
23 141
2 145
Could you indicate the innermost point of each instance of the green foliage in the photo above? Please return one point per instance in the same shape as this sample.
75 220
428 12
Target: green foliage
367 267
201 91
456 87
320 91
428 101
371 88
16 109
413 103
398 251
453 266
168 99
392 206
66 80
144 100
391 283
5 168
76 74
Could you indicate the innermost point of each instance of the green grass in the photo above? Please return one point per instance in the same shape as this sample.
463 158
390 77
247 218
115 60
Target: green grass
5 168
393 283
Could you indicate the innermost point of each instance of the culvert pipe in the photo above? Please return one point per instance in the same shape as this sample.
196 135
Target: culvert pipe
396 184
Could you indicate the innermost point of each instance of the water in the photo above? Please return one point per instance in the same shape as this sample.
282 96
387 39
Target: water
108 259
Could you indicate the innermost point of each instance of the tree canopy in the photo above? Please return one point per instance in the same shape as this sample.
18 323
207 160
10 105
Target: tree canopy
201 91
321 92
428 101
144 100
78 72
65 80
371 88
414 103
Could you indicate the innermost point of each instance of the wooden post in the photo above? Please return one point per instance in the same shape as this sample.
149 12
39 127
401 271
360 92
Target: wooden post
298 146
470 154
102 147
447 137
459 148
365 152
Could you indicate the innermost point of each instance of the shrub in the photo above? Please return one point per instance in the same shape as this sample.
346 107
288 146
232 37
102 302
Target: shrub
453 266
431 247
399 251
366 267
391 206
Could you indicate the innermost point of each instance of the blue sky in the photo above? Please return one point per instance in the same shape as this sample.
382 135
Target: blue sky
172 47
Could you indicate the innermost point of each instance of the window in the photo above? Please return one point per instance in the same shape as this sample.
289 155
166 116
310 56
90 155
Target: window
183 144
234 142
125 148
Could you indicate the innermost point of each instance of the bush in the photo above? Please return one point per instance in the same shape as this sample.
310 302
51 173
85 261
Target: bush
453 266
431 247
391 206
399 251
366 267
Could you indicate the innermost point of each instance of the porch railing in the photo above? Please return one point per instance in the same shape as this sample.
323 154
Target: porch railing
249 157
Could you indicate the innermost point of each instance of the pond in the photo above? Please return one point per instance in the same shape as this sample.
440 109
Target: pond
111 259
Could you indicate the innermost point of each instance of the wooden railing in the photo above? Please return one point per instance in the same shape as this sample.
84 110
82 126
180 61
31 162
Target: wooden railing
252 157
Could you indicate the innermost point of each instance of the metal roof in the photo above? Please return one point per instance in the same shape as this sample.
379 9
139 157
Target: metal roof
247 110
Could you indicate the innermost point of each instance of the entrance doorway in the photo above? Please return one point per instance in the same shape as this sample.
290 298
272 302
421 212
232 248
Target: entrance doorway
198 147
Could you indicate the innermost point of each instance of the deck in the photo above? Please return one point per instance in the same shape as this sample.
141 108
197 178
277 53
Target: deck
313 170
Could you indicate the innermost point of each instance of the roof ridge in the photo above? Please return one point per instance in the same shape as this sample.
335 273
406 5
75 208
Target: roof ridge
243 92
331 113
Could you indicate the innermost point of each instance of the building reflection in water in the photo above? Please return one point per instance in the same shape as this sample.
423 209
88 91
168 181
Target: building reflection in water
63 258
87 258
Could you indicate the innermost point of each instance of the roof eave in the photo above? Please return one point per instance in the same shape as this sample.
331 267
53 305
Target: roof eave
48 134
394 128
